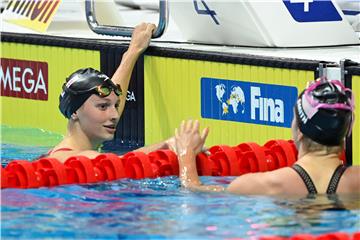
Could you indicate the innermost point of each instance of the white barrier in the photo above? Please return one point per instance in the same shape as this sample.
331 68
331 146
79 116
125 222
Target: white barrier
351 9
275 23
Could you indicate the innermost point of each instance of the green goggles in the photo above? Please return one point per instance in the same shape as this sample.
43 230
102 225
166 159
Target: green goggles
102 90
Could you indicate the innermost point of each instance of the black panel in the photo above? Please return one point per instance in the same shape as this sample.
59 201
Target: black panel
349 141
130 130
352 69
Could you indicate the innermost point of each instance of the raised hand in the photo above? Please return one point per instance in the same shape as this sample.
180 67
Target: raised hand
188 138
141 37
189 142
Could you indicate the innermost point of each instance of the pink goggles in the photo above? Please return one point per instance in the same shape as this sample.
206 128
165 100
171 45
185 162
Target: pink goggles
311 105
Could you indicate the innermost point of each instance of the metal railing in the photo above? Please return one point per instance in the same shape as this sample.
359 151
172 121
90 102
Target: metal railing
125 31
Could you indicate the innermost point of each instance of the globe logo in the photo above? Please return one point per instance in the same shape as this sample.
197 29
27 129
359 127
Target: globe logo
235 100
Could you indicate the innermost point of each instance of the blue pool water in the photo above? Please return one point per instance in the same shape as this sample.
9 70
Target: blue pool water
160 209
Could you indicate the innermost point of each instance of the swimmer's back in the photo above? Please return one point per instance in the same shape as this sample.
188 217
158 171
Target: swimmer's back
287 181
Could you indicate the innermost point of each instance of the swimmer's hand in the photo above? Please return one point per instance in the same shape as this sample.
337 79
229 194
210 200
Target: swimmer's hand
188 138
189 142
171 145
141 37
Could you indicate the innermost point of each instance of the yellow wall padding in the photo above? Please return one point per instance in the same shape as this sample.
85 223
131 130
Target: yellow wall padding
172 93
356 128
19 112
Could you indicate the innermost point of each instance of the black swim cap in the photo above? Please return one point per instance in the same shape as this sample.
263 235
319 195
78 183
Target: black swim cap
325 112
77 89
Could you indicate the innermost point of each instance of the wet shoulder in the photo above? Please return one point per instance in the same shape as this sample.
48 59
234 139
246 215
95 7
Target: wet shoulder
62 156
281 181
286 181
350 181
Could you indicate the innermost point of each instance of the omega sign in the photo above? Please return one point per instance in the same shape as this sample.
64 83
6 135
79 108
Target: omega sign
24 79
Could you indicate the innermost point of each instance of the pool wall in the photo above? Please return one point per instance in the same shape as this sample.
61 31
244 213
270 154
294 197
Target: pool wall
173 92
60 61
167 86
353 142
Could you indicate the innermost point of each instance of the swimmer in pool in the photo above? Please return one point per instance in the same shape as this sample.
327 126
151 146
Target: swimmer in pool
324 114
93 103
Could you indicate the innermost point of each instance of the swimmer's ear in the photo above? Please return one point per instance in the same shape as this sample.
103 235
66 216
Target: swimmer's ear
299 135
74 116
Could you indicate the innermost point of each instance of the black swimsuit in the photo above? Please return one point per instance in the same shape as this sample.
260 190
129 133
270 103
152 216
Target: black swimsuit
334 181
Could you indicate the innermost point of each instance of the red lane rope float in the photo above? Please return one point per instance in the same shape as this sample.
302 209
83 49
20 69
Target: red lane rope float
283 150
22 174
251 157
164 163
50 172
326 236
83 169
222 161
138 165
109 167
203 165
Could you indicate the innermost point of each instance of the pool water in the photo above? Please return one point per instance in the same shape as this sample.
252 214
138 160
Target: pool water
160 209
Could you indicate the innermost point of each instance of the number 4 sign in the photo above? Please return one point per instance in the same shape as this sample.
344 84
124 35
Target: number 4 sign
206 11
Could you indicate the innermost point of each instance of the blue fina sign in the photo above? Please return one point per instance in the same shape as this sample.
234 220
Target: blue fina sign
249 102
312 10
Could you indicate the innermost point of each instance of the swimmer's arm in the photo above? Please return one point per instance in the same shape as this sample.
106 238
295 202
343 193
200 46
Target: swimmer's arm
248 184
189 142
189 177
139 42
167 144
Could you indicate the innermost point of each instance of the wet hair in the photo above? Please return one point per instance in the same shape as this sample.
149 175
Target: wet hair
311 146
78 88
325 112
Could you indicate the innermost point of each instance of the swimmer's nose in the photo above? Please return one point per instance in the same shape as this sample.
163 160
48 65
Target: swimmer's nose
114 114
